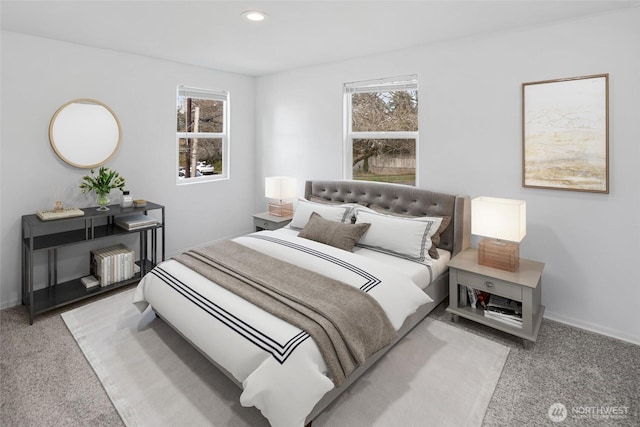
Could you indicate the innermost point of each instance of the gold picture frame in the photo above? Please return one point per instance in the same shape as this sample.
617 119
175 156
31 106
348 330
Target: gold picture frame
565 134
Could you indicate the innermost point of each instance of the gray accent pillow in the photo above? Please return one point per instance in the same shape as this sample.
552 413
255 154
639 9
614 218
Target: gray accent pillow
336 234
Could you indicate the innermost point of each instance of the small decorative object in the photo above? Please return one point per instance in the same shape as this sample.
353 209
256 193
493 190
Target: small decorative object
102 184
126 201
58 207
504 223
139 203
565 134
279 188
103 201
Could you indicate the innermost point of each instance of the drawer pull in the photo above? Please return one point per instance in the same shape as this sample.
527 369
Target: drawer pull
488 284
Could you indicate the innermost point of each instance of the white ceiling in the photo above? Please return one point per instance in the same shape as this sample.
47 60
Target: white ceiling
299 33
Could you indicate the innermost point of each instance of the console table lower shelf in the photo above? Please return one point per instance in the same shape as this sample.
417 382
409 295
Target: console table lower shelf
56 296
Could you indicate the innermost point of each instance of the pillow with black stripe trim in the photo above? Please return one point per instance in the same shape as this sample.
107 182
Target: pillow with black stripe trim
404 237
338 213
435 239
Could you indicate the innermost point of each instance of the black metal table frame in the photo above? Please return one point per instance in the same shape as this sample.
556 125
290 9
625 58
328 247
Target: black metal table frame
42 300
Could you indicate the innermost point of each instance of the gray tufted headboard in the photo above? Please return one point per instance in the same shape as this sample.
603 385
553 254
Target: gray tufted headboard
402 199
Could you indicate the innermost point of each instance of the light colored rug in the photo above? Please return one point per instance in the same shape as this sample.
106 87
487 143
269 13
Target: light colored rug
437 375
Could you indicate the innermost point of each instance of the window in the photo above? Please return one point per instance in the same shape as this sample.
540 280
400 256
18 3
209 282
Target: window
202 135
381 135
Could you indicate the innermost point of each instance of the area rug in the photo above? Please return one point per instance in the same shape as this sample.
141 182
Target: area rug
437 375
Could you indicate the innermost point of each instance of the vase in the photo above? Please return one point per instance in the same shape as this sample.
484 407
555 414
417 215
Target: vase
103 200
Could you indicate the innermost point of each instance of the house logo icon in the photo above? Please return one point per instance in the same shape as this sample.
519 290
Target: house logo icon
557 412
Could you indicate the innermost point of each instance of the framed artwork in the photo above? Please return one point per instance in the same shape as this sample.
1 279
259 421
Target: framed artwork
565 134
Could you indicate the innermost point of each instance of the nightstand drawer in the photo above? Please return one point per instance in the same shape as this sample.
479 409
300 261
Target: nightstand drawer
491 285
264 221
261 223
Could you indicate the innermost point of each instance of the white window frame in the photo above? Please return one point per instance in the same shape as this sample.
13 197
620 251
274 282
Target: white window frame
409 82
217 95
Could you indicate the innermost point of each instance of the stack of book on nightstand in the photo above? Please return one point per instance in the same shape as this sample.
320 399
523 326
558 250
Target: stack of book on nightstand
476 298
504 310
113 264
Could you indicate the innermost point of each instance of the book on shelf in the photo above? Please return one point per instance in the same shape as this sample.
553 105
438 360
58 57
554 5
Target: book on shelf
504 310
89 281
135 221
112 264
504 318
504 306
495 307
50 214
476 298
472 296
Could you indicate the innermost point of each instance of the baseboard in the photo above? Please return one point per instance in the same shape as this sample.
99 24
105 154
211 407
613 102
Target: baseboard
11 303
592 327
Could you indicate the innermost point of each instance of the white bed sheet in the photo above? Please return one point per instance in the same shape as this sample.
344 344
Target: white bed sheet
279 366
421 274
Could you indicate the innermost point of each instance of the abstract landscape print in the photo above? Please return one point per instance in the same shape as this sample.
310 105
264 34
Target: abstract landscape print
565 134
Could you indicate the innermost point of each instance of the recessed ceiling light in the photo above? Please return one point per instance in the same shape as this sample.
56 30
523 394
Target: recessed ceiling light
254 15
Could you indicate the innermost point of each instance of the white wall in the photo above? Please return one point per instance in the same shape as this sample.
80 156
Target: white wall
470 143
39 75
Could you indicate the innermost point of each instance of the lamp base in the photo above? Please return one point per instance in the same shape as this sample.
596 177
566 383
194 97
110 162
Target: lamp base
280 209
499 254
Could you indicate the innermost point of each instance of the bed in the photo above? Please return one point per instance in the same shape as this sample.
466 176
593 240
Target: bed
282 372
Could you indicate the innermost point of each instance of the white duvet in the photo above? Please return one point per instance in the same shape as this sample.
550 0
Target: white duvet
279 365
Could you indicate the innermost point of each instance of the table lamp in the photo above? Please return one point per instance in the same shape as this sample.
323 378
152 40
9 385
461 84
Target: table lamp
280 188
503 222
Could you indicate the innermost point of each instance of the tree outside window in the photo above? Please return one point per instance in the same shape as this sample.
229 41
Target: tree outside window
381 139
202 137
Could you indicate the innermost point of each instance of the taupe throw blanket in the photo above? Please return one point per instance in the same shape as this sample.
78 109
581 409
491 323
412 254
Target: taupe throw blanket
346 323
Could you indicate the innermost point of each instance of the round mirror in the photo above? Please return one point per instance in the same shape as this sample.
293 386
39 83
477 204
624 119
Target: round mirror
85 133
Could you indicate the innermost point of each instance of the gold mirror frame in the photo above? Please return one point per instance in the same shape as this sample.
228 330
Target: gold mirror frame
85 133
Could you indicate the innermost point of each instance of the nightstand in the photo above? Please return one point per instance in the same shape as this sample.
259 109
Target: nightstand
264 221
523 285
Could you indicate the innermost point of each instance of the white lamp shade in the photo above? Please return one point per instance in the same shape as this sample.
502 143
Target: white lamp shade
280 187
504 219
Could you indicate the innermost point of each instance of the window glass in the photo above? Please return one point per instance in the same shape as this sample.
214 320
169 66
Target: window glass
385 111
387 160
202 117
382 134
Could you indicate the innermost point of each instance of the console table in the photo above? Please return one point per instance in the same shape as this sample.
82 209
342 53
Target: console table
39 235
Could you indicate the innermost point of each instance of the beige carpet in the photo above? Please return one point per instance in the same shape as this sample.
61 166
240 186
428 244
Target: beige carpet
437 375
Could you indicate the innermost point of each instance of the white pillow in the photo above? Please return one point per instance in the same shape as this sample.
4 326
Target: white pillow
338 213
406 237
